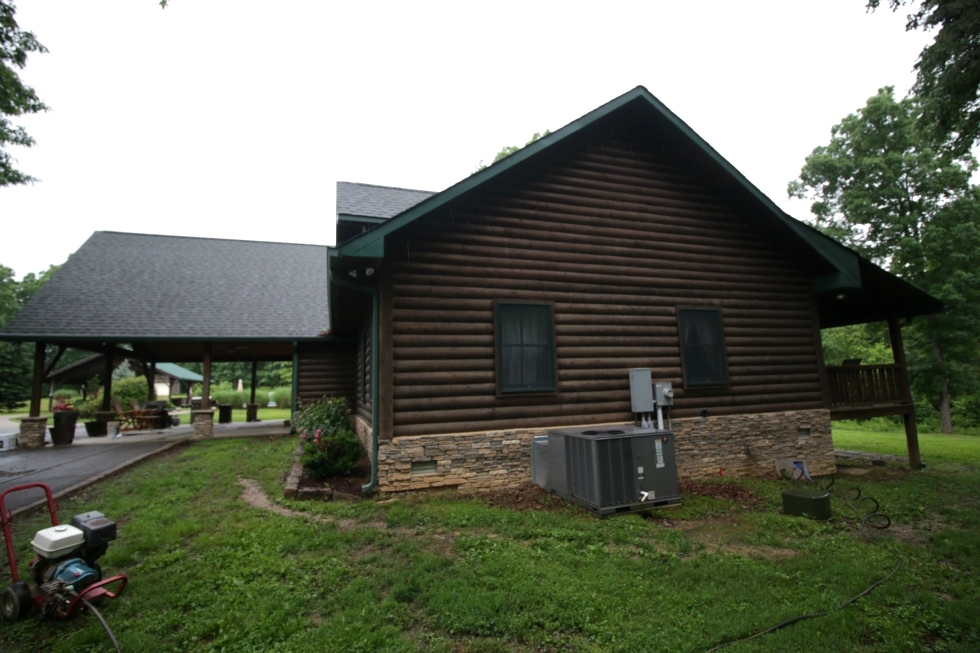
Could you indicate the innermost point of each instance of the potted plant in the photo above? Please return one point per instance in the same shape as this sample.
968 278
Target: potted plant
95 428
65 418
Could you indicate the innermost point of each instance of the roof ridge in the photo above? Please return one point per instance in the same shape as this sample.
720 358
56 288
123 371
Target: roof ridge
213 238
411 190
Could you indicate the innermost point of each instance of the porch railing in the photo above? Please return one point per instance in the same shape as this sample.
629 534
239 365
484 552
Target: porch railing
854 386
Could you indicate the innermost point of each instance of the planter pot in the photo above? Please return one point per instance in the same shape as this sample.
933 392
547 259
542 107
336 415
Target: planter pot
95 429
65 418
62 435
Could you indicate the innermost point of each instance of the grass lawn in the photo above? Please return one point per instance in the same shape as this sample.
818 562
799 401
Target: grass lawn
265 414
523 572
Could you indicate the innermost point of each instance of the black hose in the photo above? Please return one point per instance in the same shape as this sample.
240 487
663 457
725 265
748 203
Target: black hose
98 615
792 621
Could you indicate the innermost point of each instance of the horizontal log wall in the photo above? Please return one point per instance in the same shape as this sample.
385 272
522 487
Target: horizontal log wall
617 236
327 370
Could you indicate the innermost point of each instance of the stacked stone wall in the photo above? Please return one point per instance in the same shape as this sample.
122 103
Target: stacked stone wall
735 445
203 422
32 431
749 445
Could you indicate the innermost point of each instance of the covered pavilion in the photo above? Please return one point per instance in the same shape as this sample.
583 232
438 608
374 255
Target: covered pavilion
155 298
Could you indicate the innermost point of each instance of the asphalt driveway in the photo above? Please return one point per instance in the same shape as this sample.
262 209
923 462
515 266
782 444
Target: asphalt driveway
69 468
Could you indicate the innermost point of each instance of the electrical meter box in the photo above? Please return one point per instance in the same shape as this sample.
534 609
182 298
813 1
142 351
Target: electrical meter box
664 394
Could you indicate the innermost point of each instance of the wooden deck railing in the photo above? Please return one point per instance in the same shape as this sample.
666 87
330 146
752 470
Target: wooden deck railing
853 386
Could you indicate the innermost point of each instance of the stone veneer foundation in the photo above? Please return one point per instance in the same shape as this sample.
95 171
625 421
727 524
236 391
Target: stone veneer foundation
733 445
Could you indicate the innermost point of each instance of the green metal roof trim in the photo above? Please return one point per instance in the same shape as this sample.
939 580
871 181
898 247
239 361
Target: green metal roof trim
178 372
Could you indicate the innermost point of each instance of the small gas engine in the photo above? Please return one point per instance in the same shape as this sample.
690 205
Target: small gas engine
66 561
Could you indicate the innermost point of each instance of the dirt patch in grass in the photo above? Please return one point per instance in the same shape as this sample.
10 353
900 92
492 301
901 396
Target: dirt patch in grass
524 498
254 495
714 536
730 491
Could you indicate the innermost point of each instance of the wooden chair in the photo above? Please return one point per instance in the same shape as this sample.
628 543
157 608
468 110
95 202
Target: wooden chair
126 418
144 419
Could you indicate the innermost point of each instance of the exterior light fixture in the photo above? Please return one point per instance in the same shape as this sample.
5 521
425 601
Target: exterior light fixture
353 273
368 272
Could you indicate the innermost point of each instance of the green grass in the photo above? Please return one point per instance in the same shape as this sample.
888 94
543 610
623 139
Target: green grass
448 573
933 447
238 414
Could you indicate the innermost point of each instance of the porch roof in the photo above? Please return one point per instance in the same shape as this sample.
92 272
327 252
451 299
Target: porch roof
169 296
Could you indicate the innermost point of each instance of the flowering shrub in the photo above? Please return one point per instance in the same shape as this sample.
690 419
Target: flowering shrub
330 447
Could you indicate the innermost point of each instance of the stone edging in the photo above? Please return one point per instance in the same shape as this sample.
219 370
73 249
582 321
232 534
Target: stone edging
294 491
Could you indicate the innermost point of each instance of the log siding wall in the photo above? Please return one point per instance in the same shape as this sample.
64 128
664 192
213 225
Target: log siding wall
617 236
326 370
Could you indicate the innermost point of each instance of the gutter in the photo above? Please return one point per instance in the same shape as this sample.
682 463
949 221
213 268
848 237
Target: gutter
375 329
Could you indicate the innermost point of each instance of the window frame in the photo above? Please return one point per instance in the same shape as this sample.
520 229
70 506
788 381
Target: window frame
500 310
721 380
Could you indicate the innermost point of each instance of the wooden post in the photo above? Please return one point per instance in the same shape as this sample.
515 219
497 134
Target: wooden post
911 429
107 368
252 411
206 383
150 369
37 380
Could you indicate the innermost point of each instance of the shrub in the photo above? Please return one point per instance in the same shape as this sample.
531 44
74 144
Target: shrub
330 447
88 407
133 387
234 397
283 397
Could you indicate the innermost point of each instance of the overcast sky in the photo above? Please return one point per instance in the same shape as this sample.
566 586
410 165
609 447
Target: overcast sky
236 118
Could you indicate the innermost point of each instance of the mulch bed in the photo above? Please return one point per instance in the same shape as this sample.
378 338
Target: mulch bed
524 498
350 485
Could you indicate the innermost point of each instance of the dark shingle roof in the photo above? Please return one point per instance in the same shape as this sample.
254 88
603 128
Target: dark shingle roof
366 200
122 287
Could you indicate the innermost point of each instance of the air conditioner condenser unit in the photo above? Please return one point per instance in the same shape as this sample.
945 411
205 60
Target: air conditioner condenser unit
613 469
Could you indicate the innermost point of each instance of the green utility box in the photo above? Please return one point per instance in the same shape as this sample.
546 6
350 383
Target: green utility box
806 502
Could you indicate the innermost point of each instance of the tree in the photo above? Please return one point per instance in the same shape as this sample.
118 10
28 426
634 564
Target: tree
890 190
948 70
16 360
16 99
507 150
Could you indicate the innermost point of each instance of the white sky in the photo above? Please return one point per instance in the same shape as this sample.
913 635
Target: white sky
236 118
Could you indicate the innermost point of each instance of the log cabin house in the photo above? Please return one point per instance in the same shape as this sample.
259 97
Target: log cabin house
460 324
517 300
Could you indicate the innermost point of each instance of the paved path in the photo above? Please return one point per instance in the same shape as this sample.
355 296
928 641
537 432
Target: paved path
67 468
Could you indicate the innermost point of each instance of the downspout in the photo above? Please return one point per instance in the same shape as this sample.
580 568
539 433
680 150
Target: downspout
375 400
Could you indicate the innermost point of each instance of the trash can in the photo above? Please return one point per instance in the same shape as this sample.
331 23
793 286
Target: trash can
224 413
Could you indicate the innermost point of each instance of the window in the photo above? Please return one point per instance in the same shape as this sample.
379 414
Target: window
702 347
525 336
